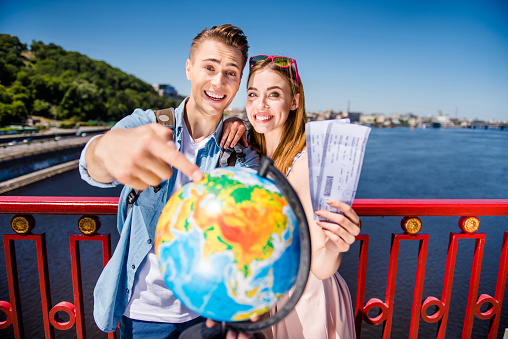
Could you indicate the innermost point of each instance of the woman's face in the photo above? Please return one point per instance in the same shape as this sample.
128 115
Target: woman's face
269 101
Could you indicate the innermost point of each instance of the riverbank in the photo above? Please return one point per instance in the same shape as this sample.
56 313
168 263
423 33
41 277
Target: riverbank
30 156
30 178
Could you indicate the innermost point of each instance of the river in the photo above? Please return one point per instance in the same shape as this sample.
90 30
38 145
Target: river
400 163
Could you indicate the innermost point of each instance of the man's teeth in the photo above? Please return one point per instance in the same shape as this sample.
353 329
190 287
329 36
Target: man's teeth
263 117
215 96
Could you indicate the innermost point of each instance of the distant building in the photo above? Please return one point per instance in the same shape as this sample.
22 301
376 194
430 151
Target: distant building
330 114
167 91
443 119
367 120
354 116
380 118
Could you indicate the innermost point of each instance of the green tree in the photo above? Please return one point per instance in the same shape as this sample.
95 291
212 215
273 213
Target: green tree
47 80
11 60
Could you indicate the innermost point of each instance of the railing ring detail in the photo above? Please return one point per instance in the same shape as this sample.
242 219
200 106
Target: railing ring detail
373 303
437 315
493 309
6 308
55 320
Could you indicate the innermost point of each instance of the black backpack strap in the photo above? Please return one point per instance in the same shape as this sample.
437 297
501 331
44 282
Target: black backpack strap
228 156
165 117
131 198
239 153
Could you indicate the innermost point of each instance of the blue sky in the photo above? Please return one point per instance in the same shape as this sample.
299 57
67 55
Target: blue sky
381 56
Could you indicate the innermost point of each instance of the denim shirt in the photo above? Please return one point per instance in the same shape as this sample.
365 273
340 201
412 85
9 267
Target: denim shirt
137 226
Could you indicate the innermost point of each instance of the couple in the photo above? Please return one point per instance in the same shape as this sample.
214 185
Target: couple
141 154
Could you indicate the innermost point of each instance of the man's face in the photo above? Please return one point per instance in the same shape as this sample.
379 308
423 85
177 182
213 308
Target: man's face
215 72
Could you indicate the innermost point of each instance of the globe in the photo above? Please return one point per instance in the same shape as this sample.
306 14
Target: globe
228 246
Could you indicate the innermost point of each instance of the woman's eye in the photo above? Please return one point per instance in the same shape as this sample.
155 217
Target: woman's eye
274 94
251 94
209 68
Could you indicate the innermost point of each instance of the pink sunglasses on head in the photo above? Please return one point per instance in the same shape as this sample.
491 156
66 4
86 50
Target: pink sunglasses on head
280 61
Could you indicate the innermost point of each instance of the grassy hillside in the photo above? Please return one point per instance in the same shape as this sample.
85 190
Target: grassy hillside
48 81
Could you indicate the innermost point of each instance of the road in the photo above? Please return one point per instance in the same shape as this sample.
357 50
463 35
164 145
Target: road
40 145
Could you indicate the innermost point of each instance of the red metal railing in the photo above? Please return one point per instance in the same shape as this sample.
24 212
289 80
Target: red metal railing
468 210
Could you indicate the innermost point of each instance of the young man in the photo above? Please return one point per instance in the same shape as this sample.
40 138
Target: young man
142 155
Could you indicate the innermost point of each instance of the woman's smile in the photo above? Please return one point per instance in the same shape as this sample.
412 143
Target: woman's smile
263 117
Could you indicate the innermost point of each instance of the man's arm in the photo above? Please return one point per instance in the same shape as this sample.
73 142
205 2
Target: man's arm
138 157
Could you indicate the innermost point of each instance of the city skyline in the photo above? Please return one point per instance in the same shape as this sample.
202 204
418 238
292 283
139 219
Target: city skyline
381 57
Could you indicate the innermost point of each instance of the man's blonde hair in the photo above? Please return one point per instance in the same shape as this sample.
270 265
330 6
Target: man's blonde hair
227 34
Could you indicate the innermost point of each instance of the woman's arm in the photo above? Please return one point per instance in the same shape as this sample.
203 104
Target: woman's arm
328 238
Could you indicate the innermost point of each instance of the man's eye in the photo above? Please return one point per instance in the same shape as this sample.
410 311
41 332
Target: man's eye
232 74
210 68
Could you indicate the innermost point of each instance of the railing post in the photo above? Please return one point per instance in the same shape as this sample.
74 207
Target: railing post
494 312
360 285
419 282
42 259
77 287
441 314
42 263
500 287
387 307
443 305
473 286
14 315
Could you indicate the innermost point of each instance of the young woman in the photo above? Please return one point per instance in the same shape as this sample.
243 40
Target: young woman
275 108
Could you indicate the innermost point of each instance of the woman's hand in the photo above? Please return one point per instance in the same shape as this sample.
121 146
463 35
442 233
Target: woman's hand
340 230
233 131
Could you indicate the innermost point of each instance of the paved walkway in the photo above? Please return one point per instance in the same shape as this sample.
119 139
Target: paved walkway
30 178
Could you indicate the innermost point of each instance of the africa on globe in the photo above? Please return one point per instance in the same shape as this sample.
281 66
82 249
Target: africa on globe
228 246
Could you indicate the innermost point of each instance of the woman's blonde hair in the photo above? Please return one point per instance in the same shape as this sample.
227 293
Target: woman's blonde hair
292 140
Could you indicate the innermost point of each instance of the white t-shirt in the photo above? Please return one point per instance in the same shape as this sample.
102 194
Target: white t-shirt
151 300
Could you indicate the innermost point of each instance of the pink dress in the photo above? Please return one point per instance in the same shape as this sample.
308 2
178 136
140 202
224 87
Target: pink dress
325 310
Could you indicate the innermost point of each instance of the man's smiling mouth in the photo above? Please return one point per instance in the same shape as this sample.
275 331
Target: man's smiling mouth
214 96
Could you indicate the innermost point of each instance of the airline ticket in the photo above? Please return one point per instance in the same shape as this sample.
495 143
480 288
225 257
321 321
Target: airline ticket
335 151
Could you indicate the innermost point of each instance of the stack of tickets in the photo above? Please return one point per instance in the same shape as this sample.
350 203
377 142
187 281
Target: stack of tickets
336 149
